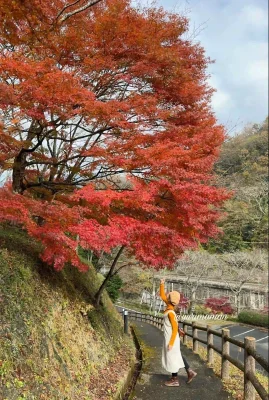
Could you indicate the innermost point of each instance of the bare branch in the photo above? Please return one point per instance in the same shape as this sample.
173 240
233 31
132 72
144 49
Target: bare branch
65 8
78 10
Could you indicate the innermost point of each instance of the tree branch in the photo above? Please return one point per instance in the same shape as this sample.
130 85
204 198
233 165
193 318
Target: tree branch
109 275
66 7
78 10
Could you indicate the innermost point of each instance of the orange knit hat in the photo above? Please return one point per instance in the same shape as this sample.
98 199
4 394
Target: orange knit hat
174 297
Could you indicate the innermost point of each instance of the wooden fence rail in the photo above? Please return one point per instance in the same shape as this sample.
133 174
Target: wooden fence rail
251 382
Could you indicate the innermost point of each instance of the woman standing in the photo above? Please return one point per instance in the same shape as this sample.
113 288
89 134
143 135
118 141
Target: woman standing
172 359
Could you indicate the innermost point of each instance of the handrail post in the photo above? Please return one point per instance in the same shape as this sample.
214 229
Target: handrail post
185 329
249 390
126 322
210 351
194 338
225 351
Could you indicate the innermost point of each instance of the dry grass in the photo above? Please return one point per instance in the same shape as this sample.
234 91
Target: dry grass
54 344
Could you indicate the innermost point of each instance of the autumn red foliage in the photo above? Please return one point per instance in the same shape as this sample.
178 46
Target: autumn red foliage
183 303
107 134
219 305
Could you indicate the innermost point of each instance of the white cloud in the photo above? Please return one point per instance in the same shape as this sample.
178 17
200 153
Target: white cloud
235 36
220 100
258 71
234 33
255 16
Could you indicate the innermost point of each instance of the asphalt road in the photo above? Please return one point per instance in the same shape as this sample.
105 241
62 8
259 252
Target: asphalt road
239 332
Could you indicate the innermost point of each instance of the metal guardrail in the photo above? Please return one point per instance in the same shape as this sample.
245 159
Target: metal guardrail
251 382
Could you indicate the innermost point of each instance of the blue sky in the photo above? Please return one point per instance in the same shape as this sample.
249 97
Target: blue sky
235 35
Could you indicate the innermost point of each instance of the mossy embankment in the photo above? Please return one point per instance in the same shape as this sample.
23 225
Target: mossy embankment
54 344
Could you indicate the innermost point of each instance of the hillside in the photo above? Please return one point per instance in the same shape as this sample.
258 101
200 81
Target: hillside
243 169
53 343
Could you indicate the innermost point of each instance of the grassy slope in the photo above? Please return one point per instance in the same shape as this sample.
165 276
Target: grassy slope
53 343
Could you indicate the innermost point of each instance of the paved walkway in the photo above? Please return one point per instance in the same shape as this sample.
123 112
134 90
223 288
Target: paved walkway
206 386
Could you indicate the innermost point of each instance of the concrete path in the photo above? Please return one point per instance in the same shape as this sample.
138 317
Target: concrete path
206 386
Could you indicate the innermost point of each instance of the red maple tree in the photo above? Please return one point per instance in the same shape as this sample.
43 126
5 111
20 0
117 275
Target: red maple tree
107 133
219 305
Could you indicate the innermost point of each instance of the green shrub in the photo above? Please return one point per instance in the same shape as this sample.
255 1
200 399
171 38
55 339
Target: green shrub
113 287
201 310
253 318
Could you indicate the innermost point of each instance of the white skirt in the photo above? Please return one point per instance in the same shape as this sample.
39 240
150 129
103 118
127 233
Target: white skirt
171 359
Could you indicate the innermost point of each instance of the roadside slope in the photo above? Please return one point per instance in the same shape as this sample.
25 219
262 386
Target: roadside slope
53 343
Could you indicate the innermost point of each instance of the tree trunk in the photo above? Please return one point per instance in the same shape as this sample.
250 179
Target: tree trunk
192 302
98 295
154 295
19 165
237 304
19 172
99 261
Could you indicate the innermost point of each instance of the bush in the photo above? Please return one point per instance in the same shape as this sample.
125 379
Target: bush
201 310
183 304
113 287
219 305
253 318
